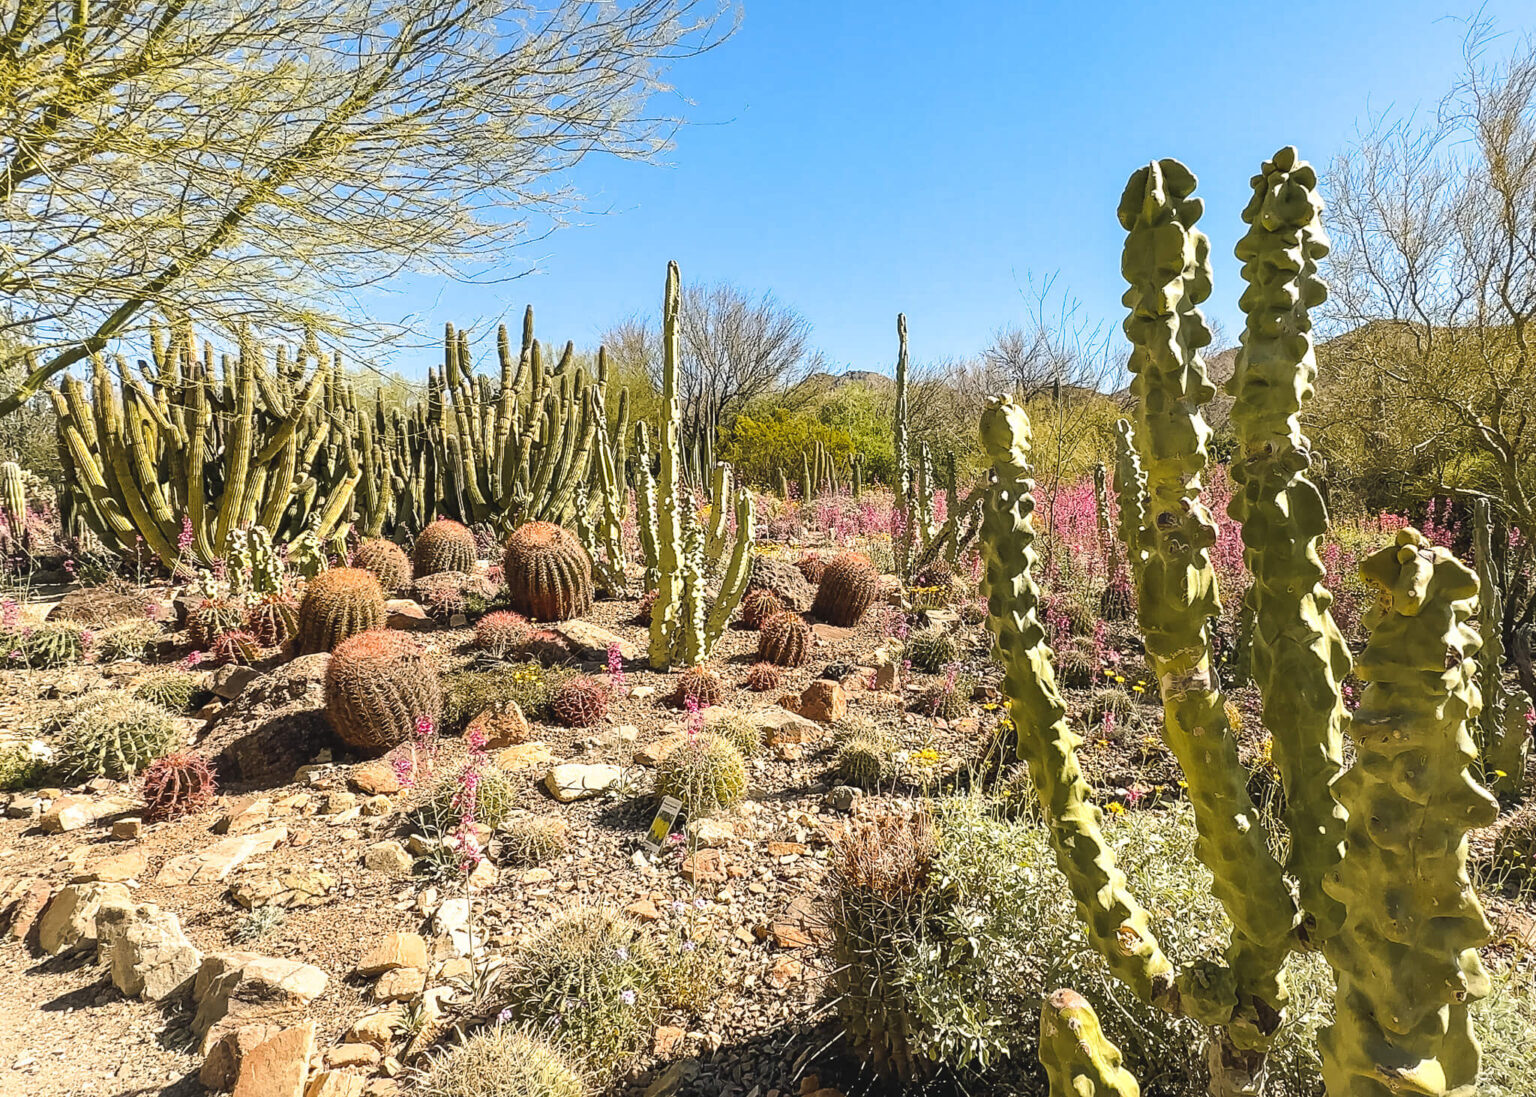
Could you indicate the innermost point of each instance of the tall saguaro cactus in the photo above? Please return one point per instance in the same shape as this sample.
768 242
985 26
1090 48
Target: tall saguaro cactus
1167 263
1299 657
1406 956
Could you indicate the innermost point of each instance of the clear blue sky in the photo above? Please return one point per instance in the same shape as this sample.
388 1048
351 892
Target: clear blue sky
860 159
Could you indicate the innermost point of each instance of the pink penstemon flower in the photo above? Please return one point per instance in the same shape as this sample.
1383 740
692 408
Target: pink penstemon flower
615 669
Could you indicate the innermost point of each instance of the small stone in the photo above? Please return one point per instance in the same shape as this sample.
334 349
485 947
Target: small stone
352 1055
502 727
652 753
784 971
641 693
230 681
128 828
244 815
675 1077
395 951
843 797
375 778
482 876
221 1065
536 876
823 701
402 613
73 812
704 866
375 806
524 756
399 984
220 859
235 988
780 726
592 643
709 833
27 906
375 1028
149 955
334 1083
338 802
644 910
117 869
389 858
667 1040
576 781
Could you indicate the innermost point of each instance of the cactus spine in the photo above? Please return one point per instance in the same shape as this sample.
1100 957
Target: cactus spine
681 629
1406 956
1500 731
1299 657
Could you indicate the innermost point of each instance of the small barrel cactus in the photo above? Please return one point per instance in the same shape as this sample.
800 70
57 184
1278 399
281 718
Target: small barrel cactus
504 1061
52 644
847 589
812 566
765 677
339 603
932 649
865 759
1117 601
213 616
171 688
703 771
112 734
547 572
580 702
758 605
531 839
736 728
443 594
784 640
700 685
950 699
177 784
647 603
273 620
388 562
445 545
237 647
377 686
1076 667
500 632
442 812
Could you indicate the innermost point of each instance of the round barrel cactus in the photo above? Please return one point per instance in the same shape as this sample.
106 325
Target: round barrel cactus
784 640
177 784
547 572
388 562
338 603
377 686
445 545
848 588
581 702
758 605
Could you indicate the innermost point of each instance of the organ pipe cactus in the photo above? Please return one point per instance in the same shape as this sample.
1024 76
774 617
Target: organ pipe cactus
1502 740
680 554
1299 658
1406 956
13 498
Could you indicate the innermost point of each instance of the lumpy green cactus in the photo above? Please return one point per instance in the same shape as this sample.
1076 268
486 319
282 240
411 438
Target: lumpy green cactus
1406 956
1299 658
1502 739
1079 1059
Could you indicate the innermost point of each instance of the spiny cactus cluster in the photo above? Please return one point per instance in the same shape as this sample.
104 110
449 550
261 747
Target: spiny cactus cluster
848 588
441 813
949 699
177 784
502 1061
932 649
703 771
784 640
548 574
378 684
736 728
580 702
388 562
499 632
112 734
338 603
700 685
50 644
758 605
532 839
445 545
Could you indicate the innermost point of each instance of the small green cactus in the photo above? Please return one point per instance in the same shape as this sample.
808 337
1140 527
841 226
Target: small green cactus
273 619
949 699
498 633
501 1061
533 839
866 756
736 728
705 772
13 497
378 684
172 688
113 734
51 644
758 605
212 617
932 649
338 603
132 639
440 814
445 545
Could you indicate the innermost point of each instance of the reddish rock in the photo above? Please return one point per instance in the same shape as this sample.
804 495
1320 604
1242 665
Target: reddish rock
278 1067
705 866
823 701
222 1064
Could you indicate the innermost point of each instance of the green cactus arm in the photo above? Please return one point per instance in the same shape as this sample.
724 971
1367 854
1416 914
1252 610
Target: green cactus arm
733 582
1406 957
74 417
687 639
1079 1060
237 449
117 452
720 493
1167 263
577 457
1299 658
1118 926
1502 736
669 524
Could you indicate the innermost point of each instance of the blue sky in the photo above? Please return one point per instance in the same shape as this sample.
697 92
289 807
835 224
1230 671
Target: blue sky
860 159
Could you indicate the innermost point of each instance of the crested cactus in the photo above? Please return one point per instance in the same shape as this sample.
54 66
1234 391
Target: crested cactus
1503 741
784 640
378 684
1079 1060
547 572
1406 955
388 562
445 545
337 604
847 589
1298 655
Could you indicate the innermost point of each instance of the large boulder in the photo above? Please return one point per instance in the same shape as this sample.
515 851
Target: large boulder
148 954
274 726
784 579
232 989
70 919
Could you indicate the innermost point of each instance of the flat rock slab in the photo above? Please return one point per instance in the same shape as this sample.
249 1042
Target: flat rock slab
588 641
214 864
578 781
73 812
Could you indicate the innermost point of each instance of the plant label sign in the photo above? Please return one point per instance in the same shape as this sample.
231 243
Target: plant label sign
662 824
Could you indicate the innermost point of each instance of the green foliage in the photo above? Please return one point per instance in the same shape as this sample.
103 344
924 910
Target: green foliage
467 693
172 688
862 414
254 925
757 447
112 734
705 772
495 797
21 767
501 1062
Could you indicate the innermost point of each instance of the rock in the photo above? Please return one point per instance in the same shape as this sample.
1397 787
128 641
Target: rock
800 925
887 672
27 901
842 797
399 984
375 778
352 1055
682 1072
375 806
334 1083
576 781
338 802
667 1040
642 693
644 910
220 859
709 833
524 756
591 643
823 701
305 887
534 877
247 813
278 1066
784 579
377 1029
780 726
25 807
221 1065
147 952
483 875
831 634
272 727
73 812
128 829
651 754
406 615
230 681
784 971
117 869
235 988
394 951
389 858
704 866
71 917
502 727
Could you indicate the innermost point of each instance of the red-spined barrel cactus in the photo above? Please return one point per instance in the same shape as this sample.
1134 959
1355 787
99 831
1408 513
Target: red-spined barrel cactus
785 640
547 572
388 562
765 677
445 545
338 603
377 686
273 620
177 784
812 566
501 631
700 685
759 605
581 702
237 647
847 589
210 617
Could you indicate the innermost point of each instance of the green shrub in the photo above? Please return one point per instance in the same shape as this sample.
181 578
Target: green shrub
113 734
703 771
758 446
501 1062
467 693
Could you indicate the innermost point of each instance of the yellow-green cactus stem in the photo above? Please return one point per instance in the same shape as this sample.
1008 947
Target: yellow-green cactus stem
1406 957
1118 926
1299 658
1502 740
1167 263
1130 500
669 519
1079 1060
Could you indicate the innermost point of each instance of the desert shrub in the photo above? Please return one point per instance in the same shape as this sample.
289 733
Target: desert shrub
23 765
495 797
703 771
468 693
736 728
530 839
758 447
171 688
501 1061
880 554
113 734
253 925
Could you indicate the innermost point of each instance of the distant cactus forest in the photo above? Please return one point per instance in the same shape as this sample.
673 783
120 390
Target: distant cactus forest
1109 713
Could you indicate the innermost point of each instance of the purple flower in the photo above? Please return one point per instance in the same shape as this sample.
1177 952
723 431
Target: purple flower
627 997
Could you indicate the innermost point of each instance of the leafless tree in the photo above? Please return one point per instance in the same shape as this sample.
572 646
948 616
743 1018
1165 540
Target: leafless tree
257 160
